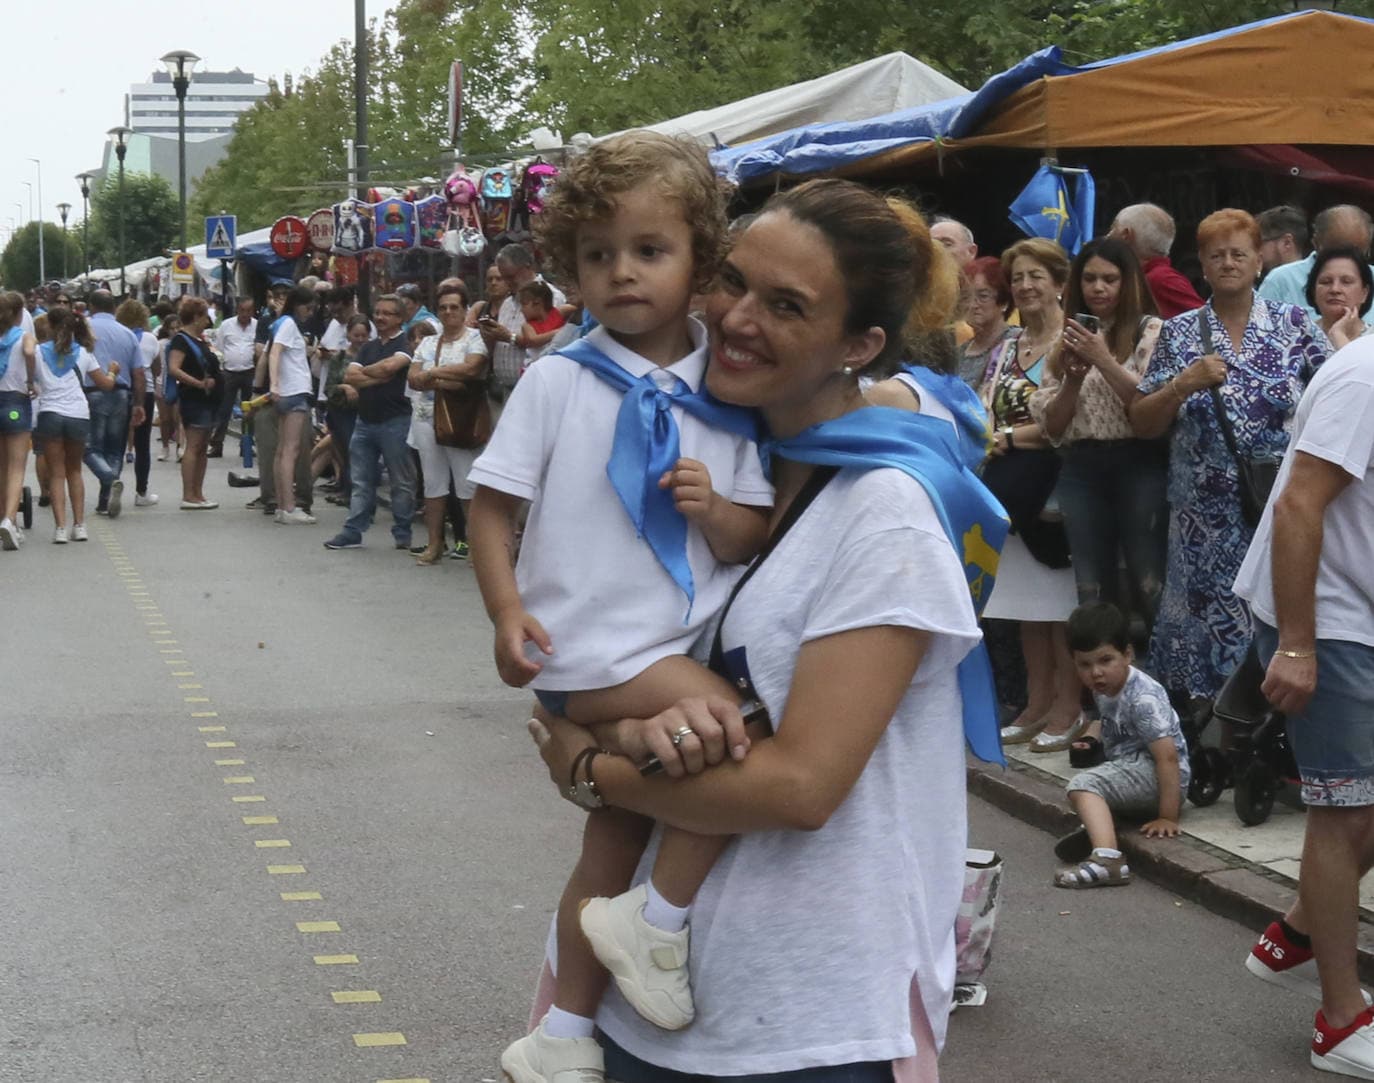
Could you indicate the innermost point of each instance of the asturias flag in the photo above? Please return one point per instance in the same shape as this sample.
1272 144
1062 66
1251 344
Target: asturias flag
1045 208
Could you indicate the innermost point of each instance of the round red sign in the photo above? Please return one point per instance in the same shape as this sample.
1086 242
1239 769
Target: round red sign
320 226
290 237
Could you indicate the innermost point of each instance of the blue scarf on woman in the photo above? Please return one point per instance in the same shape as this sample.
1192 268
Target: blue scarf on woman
59 364
961 401
7 341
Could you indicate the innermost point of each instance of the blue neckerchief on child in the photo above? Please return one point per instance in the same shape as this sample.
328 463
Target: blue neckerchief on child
924 448
646 447
7 341
59 364
961 401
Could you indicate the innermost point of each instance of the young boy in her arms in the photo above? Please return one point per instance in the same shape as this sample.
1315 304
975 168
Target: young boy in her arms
1146 768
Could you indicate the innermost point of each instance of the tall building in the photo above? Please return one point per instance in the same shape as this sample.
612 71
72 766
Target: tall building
213 103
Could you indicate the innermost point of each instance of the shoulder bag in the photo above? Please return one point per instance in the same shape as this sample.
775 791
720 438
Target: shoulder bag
1256 478
462 415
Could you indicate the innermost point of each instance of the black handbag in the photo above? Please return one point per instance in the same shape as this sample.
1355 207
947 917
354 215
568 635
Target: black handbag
1256 478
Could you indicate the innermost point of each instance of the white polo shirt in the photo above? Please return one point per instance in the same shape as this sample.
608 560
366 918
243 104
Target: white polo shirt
1334 422
235 344
598 590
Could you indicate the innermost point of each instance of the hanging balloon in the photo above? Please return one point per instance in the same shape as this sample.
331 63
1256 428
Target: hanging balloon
352 227
395 225
432 215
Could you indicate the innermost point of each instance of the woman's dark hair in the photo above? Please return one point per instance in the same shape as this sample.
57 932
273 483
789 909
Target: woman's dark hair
990 268
299 295
452 287
892 277
1098 625
357 320
1355 257
1134 301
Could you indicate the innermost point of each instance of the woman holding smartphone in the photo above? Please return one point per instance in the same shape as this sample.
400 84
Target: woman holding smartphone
1111 484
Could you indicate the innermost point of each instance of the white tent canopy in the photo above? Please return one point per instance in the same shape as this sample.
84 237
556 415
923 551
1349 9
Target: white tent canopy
872 88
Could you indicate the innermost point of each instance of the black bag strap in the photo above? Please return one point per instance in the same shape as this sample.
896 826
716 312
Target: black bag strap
1228 434
819 479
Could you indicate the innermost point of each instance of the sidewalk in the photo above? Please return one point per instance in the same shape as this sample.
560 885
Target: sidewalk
1248 874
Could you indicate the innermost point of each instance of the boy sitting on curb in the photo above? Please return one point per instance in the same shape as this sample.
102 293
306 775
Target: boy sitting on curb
1146 766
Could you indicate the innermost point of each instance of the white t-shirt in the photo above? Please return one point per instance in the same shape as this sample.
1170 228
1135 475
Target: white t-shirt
805 944
1334 422
598 590
149 348
64 395
929 404
16 377
293 368
335 336
454 353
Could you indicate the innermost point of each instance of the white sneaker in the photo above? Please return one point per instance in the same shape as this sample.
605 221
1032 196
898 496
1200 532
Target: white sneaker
648 964
537 1058
279 516
1349 1052
296 516
59 535
10 535
79 532
162 455
145 500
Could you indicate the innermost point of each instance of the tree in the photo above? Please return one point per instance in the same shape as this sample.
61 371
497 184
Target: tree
152 219
19 262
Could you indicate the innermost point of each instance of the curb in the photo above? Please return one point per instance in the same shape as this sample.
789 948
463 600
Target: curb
1222 882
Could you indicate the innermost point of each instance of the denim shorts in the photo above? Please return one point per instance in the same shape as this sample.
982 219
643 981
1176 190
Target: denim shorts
53 426
294 404
16 413
197 413
556 703
1333 739
624 1068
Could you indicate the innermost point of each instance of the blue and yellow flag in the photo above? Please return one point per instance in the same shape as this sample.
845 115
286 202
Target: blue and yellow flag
1046 208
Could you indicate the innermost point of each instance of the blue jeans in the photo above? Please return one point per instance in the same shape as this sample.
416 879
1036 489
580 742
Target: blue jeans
1112 494
386 440
624 1068
109 436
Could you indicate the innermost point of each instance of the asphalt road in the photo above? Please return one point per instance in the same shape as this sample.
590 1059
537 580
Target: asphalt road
268 814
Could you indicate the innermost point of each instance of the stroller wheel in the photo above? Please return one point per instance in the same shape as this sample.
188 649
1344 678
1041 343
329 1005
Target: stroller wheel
1209 770
26 508
1256 785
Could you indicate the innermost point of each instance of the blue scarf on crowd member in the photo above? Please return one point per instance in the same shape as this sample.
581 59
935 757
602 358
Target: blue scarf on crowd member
925 449
646 447
7 341
59 364
963 402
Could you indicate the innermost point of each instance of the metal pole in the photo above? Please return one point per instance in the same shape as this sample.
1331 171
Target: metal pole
42 266
119 152
360 133
85 180
182 84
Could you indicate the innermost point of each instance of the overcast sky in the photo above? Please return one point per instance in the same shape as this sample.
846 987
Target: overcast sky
67 67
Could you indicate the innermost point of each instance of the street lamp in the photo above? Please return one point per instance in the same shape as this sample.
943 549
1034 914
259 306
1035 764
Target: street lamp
180 63
64 209
119 136
84 179
42 268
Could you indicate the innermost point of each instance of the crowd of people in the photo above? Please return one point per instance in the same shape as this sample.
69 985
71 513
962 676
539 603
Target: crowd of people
609 425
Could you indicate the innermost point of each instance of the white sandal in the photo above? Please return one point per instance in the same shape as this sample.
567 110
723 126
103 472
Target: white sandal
1099 870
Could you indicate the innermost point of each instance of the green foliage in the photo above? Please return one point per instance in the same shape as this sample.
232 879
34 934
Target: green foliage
151 218
19 261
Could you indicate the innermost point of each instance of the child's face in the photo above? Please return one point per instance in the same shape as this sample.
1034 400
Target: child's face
635 269
532 309
1104 669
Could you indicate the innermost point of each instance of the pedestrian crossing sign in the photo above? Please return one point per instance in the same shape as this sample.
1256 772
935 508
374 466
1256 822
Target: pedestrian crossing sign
221 236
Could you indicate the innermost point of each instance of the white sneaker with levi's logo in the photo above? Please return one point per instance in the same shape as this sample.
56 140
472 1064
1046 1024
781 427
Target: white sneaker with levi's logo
1347 1051
1279 961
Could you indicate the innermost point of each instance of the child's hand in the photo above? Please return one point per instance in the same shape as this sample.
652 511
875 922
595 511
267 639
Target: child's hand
692 492
512 633
1160 829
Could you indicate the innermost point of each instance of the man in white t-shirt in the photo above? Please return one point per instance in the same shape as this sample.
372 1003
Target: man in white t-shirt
1309 579
235 342
516 265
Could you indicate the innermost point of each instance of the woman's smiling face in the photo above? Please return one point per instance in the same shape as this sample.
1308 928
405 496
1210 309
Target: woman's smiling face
777 321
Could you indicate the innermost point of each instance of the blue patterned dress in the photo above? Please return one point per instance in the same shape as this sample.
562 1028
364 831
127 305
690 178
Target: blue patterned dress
1203 630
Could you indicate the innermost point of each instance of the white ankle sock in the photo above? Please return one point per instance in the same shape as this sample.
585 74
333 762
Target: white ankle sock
561 1024
662 914
1105 851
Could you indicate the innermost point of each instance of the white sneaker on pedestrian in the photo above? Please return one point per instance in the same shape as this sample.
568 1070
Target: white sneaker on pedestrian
10 535
296 517
79 532
1348 1051
537 1058
116 495
145 500
648 964
59 535
162 455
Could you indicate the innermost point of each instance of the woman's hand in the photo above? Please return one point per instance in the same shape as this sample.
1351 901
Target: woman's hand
688 737
559 742
1087 346
1209 370
208 384
1346 329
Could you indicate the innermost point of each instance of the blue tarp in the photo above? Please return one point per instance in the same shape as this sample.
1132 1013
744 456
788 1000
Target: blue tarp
267 263
819 148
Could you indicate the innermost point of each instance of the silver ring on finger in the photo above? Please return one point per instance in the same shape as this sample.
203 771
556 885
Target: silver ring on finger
681 734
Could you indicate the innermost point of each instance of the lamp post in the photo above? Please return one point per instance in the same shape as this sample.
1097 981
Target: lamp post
42 268
84 179
119 136
180 63
64 209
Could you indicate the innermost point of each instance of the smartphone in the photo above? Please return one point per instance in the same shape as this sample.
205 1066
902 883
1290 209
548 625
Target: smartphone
1090 323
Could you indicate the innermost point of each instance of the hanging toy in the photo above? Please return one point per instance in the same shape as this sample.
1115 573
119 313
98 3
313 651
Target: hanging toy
496 200
536 182
431 213
395 225
352 227
461 192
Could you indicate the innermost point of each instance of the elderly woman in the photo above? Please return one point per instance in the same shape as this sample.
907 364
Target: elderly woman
1252 358
989 304
849 837
1035 586
1111 484
1341 288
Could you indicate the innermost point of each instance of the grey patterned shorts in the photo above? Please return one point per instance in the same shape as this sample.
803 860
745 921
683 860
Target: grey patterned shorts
1128 785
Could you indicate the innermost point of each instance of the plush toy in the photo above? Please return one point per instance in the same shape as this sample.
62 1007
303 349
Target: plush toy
352 227
461 192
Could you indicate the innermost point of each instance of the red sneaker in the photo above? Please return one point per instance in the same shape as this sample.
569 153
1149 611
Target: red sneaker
1279 961
1348 1051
